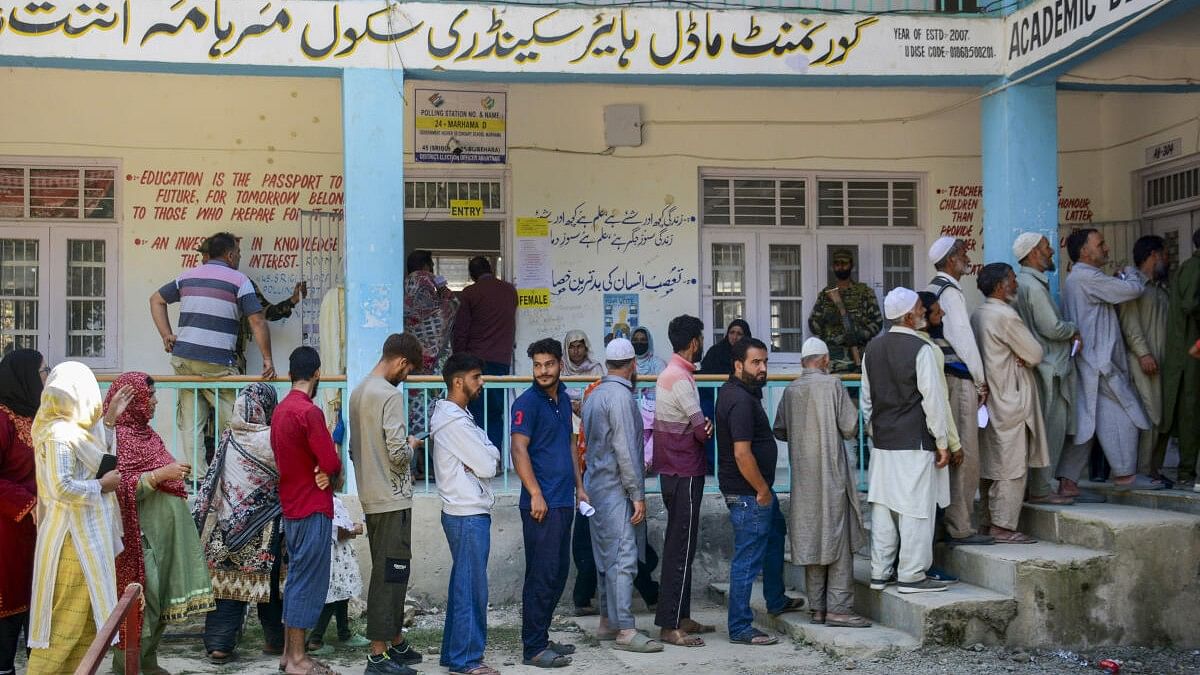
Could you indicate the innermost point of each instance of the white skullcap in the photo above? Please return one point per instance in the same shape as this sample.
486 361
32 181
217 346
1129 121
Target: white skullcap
620 349
899 301
940 249
1026 243
814 346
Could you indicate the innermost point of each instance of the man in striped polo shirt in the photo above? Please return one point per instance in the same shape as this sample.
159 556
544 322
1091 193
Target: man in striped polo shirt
213 298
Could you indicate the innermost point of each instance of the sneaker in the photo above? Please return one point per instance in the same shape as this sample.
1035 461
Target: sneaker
925 585
941 575
354 642
403 653
880 584
383 665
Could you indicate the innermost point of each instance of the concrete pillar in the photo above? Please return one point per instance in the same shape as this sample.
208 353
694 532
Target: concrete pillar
373 149
1020 169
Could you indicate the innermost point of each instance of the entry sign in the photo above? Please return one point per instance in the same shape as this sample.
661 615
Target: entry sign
466 209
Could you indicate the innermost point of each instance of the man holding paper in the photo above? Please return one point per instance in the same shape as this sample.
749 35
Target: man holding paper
1015 436
1059 339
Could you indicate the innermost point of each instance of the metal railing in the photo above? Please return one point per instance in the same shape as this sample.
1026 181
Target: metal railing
425 390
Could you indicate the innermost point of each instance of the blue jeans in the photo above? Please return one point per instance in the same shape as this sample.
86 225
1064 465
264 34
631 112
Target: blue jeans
465 633
758 533
491 420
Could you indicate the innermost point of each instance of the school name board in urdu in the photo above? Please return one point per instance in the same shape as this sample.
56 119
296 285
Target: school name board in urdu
504 39
459 127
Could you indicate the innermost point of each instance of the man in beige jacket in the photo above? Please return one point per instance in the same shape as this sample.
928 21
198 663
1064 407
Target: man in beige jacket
1144 326
1015 436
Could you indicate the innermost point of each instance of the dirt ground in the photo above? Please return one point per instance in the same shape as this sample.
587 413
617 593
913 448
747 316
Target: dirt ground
182 653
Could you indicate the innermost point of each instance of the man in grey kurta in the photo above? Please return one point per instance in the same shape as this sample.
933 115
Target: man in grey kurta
1056 372
615 486
1144 325
815 417
1015 437
1107 408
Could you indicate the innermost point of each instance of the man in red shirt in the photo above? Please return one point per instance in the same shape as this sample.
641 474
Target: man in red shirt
308 463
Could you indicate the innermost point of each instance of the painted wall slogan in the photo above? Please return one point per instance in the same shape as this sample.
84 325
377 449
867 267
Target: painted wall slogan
481 38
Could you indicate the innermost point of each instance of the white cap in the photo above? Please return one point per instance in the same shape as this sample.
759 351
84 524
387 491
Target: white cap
899 301
940 249
1026 243
813 346
620 349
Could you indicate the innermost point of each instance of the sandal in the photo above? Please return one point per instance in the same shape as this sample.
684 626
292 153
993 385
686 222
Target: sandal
562 648
818 617
548 659
681 638
480 669
1011 537
695 627
847 621
606 635
639 643
793 605
756 638
219 658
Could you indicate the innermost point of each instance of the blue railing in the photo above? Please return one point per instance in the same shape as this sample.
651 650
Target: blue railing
424 391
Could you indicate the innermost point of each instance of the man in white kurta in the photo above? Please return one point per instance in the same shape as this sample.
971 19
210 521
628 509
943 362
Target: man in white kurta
815 418
904 404
1107 408
1015 437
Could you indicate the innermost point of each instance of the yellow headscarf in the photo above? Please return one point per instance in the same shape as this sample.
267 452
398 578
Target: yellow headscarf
71 413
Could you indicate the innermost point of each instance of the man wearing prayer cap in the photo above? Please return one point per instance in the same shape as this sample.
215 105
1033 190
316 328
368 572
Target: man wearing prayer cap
967 385
1056 371
815 418
903 403
846 315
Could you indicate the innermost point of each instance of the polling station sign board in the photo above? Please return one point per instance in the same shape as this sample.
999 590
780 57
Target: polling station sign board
453 126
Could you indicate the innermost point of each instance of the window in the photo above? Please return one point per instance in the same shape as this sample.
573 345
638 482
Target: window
1171 189
787 298
58 276
728 285
866 203
754 202
436 195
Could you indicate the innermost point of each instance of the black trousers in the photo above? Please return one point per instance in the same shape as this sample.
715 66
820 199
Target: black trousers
10 639
339 609
223 625
547 564
585 568
682 497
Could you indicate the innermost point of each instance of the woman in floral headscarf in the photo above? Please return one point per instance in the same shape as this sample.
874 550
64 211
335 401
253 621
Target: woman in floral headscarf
166 558
429 312
237 512
22 373
79 523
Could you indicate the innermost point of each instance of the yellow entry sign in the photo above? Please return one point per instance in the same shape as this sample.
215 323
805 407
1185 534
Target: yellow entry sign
466 209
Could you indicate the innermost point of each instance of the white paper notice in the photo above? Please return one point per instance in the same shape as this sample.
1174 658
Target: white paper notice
533 262
983 416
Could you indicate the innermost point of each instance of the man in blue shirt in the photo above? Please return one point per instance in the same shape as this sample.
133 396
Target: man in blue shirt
550 489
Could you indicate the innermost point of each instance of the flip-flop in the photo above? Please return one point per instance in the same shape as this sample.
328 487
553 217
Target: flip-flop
755 638
1013 538
561 648
639 643
548 659
480 669
1140 482
817 618
688 640
854 621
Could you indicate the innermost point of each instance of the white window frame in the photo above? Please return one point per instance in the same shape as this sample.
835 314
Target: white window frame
53 235
814 241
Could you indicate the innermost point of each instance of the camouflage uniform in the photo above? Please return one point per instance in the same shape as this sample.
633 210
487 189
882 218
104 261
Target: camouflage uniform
863 316
271 312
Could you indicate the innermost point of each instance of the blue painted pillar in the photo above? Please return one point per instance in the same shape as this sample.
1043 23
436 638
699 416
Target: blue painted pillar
373 149
1020 169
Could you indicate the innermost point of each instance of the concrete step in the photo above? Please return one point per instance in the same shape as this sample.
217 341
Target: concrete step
1104 526
855 643
1183 501
1005 567
962 614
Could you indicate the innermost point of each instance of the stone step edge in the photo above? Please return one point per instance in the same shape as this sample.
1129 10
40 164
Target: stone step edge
877 641
1074 555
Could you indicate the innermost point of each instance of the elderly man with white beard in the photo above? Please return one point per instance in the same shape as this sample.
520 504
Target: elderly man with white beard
1015 437
905 406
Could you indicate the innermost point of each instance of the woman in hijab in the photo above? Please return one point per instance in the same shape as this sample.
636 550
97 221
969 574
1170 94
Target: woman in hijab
238 514
79 522
429 312
166 558
719 359
22 374
647 365
578 363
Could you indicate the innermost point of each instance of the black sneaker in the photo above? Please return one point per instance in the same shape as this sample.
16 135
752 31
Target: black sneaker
383 665
403 653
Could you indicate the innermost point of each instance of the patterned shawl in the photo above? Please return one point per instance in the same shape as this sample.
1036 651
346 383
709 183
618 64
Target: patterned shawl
429 312
237 508
139 450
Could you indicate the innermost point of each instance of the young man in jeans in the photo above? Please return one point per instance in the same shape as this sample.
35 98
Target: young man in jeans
746 458
308 464
550 487
464 459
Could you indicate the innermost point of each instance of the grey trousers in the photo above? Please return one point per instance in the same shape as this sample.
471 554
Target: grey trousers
831 587
964 478
614 545
1056 410
1117 435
